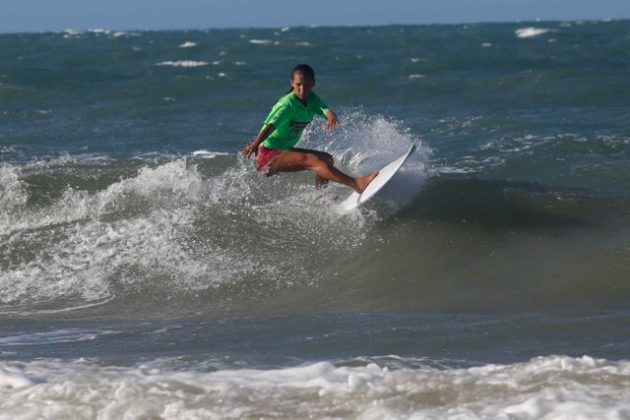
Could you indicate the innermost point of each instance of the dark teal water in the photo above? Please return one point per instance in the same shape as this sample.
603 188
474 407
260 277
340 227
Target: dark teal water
147 270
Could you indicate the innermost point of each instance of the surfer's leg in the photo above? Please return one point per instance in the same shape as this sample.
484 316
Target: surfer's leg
320 182
364 181
321 164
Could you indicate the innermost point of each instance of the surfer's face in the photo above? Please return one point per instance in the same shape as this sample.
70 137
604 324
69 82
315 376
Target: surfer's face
302 85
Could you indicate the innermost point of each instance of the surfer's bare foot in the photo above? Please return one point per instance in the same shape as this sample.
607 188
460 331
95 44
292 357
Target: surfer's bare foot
364 181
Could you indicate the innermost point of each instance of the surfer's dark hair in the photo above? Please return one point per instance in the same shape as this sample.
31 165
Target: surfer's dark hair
305 69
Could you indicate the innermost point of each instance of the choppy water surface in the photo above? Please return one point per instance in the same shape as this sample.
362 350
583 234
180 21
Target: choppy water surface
146 269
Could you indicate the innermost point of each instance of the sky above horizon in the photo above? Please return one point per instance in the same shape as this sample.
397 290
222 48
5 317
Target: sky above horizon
45 15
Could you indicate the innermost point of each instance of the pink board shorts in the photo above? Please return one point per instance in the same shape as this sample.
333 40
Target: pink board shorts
264 158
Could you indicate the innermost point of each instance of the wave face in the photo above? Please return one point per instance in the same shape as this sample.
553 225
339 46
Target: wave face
190 234
202 228
211 235
147 270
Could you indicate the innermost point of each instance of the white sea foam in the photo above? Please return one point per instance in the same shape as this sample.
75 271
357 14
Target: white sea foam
453 170
69 159
13 378
530 32
367 143
95 244
188 44
139 234
71 335
13 193
183 63
260 41
208 154
552 387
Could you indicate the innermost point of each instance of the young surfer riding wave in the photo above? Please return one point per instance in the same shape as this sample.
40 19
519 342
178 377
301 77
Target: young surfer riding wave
274 144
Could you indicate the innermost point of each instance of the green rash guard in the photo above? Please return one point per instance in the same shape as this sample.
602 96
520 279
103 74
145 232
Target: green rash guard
290 116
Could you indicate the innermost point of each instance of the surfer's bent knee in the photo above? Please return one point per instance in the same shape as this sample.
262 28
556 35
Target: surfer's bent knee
319 158
328 158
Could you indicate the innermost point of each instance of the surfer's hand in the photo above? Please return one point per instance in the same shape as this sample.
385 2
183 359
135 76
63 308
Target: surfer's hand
331 121
249 149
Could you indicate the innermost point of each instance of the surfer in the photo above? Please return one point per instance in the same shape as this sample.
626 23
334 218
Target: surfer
274 144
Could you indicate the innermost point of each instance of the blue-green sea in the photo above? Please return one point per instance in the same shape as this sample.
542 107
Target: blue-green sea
148 271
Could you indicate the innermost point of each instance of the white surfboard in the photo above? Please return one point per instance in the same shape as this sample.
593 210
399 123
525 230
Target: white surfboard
384 176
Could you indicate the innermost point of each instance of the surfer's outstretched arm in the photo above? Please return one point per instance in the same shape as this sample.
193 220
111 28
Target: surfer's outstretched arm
262 136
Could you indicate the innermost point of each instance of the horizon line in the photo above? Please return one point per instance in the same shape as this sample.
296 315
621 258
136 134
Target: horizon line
313 26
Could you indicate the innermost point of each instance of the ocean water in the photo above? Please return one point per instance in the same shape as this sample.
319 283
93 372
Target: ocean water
148 271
